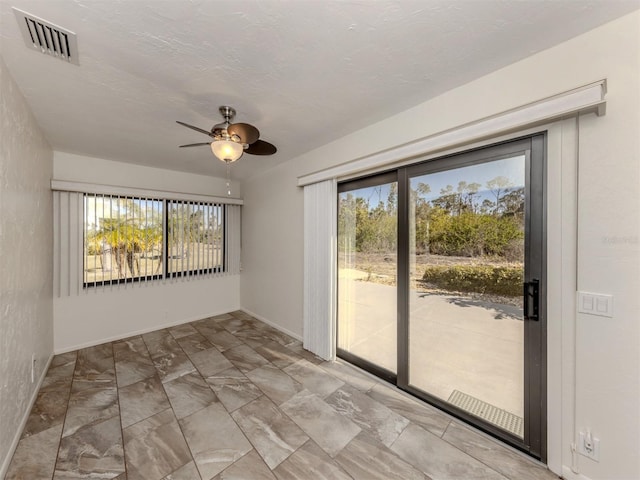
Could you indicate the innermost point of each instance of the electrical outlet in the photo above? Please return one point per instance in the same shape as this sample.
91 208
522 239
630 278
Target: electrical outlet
589 446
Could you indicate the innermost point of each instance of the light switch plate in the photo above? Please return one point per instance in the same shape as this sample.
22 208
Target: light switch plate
595 304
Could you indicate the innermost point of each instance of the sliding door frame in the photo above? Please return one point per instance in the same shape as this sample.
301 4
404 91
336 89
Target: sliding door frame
356 184
535 394
535 331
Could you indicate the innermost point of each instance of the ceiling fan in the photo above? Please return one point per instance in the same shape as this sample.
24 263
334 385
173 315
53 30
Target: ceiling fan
231 140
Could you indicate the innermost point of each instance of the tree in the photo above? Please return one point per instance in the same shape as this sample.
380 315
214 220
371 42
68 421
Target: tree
498 187
421 214
131 230
447 201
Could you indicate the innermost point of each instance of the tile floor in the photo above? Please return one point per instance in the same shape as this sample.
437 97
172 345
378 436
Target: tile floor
229 397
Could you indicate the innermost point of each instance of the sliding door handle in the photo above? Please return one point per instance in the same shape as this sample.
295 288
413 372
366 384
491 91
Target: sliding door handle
532 300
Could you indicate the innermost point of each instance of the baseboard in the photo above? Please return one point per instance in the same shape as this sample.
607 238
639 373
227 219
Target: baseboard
272 324
139 332
568 474
16 439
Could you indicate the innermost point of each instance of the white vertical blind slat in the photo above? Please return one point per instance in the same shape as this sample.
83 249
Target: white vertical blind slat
320 226
64 243
56 244
68 238
79 231
232 235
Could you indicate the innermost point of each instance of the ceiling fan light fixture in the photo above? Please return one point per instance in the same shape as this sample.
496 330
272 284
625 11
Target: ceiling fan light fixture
227 151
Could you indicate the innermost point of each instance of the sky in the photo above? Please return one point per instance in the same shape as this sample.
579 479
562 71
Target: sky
511 168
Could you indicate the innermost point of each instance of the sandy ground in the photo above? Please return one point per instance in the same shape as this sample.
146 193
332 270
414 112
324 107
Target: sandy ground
381 268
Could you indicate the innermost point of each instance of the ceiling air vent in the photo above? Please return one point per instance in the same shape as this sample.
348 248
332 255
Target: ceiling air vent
47 37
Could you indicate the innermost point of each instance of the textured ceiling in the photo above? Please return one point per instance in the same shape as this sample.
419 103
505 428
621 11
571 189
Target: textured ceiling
305 72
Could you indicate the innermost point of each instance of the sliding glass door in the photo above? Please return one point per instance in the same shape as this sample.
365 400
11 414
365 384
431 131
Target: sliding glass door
459 297
367 269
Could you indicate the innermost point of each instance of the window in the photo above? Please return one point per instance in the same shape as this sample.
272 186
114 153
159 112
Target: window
195 238
130 239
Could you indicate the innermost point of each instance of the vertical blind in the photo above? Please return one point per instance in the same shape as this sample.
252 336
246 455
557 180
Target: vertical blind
320 300
121 241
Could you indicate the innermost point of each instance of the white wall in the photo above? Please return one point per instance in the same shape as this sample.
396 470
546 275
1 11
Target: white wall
79 168
26 273
95 317
606 379
102 314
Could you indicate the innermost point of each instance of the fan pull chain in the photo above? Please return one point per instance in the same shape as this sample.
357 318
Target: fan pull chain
229 179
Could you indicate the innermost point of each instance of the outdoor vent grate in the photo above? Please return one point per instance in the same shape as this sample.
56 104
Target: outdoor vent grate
488 412
47 37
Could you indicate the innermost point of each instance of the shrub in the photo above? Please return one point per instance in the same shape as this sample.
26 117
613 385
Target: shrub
499 280
471 234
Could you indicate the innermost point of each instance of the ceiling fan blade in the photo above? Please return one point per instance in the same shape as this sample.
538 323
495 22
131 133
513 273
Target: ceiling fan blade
260 147
194 128
247 133
195 144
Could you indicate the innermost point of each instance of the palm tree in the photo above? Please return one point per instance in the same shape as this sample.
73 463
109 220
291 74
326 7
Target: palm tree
125 239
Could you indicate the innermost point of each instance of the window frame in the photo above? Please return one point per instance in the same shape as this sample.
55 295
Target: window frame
220 268
165 274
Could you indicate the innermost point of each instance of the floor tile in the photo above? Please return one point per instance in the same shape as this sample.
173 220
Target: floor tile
229 398
223 340
277 354
330 430
438 459
132 348
350 374
276 384
90 406
132 361
128 372
155 447
183 330
296 347
367 459
244 358
275 335
233 388
310 462
208 326
35 456
141 400
498 457
211 361
240 314
272 433
48 411
412 409
373 417
63 359
235 324
214 452
186 472
173 365
161 343
188 394
248 467
252 337
95 365
95 451
313 378
194 343
58 377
